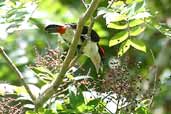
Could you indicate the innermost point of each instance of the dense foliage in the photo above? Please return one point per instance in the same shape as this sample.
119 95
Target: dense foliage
132 78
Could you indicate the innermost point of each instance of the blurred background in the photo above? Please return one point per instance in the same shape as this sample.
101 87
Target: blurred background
22 34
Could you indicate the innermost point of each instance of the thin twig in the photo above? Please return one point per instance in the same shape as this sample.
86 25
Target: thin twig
99 16
16 70
74 60
84 3
93 19
111 3
70 55
90 27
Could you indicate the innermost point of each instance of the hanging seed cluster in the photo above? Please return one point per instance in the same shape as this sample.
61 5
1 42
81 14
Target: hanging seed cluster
52 60
119 80
9 105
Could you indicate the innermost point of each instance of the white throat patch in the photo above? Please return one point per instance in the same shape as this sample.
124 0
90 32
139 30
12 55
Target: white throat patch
68 35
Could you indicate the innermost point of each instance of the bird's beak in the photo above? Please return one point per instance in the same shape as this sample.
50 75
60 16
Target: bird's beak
55 29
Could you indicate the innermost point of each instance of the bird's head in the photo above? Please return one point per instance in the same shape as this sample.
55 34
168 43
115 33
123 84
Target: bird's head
56 29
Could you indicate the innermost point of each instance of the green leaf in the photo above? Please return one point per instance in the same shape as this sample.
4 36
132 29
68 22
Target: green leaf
117 26
124 47
136 22
104 42
102 10
129 1
114 17
94 102
118 5
41 111
118 38
138 44
60 106
76 99
43 73
142 110
141 15
133 1
163 28
136 31
43 70
30 112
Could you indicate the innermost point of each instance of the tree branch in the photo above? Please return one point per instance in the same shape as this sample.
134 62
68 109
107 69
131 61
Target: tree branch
70 55
16 70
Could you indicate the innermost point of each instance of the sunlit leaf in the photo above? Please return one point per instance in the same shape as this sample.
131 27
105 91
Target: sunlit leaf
31 112
41 111
138 44
114 17
117 4
43 74
59 106
141 15
117 26
102 10
133 1
104 42
20 90
163 28
129 1
136 31
135 22
118 38
124 47
142 110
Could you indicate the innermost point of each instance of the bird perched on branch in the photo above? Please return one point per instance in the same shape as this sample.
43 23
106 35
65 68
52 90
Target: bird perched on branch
90 49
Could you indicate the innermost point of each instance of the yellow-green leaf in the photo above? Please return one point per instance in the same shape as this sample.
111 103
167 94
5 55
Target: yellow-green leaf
124 47
141 15
136 31
136 22
133 1
117 4
114 17
42 70
117 26
104 42
163 28
138 44
118 38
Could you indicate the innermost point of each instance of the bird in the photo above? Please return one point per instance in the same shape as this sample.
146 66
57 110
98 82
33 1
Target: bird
92 49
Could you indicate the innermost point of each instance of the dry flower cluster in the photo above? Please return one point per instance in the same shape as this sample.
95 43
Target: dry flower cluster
9 105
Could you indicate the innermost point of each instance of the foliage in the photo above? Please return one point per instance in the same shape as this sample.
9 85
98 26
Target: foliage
130 18
124 83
